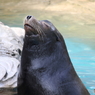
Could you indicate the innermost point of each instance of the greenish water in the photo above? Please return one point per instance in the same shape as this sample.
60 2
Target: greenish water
79 36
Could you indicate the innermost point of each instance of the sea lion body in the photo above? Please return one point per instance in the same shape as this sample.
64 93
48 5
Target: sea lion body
46 68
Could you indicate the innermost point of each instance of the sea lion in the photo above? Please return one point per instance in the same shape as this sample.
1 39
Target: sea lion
46 68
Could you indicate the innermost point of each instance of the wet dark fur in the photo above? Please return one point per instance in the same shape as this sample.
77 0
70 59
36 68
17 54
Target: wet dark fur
46 68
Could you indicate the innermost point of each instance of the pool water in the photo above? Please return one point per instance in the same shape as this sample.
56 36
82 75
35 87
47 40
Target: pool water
79 36
83 59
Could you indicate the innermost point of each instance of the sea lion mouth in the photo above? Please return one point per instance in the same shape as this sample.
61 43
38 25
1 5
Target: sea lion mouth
27 25
30 29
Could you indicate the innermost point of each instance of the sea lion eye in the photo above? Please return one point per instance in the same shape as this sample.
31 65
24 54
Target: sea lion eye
46 24
57 38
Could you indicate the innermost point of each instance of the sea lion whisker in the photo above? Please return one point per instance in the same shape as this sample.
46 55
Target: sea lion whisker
40 32
38 29
35 27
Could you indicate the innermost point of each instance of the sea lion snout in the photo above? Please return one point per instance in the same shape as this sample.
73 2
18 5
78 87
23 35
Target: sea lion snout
30 20
31 25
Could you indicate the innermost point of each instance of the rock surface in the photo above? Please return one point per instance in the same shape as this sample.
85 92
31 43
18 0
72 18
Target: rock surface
10 52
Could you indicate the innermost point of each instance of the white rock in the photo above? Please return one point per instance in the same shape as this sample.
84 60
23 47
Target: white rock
10 68
19 31
10 49
10 43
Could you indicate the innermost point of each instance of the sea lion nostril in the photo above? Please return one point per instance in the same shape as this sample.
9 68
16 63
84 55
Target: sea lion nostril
28 17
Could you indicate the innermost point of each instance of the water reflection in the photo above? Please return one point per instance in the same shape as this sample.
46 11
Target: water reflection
75 20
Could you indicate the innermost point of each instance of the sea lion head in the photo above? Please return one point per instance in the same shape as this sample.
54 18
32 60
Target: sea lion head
43 29
40 33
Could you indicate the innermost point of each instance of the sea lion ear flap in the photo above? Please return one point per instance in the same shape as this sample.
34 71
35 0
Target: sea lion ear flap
58 36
